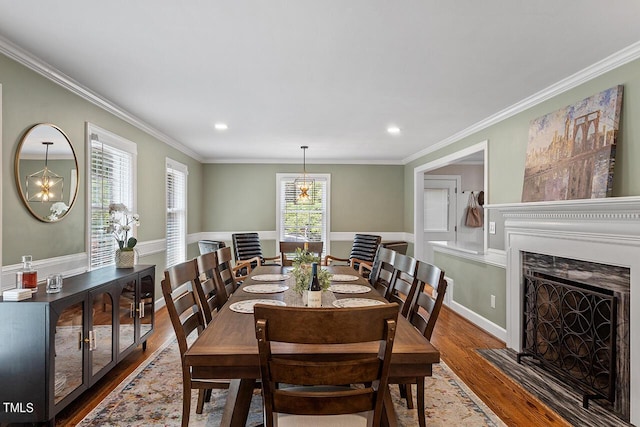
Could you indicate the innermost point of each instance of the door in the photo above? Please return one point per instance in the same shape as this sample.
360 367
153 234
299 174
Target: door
70 340
127 311
146 305
101 334
440 207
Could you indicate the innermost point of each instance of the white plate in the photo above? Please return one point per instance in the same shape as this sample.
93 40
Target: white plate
340 288
356 302
270 277
270 288
246 306
343 278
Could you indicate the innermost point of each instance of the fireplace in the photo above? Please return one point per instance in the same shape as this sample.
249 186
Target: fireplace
588 232
576 325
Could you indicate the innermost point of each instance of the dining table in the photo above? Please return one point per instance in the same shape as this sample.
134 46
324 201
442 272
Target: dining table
227 348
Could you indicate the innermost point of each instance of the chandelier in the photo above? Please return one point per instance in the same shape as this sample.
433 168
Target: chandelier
305 186
45 185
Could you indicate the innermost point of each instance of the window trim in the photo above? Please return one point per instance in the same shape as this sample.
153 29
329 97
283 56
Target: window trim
291 176
120 143
180 167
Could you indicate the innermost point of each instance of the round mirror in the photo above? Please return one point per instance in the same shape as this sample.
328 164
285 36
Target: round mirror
46 170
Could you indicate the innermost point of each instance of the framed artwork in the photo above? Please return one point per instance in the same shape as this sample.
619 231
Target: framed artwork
571 152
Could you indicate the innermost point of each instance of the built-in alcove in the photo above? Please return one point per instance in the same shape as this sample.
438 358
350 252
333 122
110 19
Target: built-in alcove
442 189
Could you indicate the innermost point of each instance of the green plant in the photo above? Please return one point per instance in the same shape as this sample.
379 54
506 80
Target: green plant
121 221
302 271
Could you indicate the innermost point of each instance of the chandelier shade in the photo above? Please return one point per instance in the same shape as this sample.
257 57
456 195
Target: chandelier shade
305 185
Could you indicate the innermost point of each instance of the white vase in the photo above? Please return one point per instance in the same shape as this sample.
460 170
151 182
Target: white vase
125 259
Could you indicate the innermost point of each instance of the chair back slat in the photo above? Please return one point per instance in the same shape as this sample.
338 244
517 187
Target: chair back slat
326 326
246 246
424 314
364 247
351 371
347 401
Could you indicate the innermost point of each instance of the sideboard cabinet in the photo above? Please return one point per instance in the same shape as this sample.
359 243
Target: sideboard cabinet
55 346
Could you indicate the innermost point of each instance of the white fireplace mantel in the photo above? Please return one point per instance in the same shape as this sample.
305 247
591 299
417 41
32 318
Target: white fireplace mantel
606 231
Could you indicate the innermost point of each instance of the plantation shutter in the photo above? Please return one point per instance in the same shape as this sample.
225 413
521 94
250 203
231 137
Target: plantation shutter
111 182
176 212
303 222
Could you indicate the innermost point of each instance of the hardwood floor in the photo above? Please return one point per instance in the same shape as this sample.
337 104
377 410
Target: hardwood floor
456 338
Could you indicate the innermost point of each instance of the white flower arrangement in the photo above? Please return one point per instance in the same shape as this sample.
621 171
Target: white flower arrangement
121 221
57 210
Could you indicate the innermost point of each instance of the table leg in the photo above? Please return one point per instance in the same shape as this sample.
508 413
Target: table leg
236 409
389 417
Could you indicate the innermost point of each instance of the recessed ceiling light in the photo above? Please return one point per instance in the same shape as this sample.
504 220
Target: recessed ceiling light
393 130
221 126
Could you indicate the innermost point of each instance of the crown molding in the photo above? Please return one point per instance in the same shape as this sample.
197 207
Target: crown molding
607 64
312 162
37 65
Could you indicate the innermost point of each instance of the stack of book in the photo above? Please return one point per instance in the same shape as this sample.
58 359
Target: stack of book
16 294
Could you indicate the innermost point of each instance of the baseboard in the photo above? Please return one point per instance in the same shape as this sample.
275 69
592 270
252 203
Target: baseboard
481 322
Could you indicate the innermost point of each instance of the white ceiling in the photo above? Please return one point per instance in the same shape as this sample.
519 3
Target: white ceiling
330 74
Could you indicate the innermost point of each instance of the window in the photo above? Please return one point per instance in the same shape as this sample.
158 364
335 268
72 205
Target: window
176 212
113 162
303 223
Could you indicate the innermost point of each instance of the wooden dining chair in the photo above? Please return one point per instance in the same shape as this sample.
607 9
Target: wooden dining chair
226 273
423 315
247 246
402 287
186 317
288 250
381 270
363 250
298 389
398 246
211 294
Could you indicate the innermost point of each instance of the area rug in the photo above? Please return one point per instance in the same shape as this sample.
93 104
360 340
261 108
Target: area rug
152 396
551 390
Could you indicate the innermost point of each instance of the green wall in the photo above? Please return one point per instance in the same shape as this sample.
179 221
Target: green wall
507 151
241 197
27 99
473 285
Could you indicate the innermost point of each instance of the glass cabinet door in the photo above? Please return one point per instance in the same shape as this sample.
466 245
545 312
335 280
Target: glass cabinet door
127 314
146 306
69 342
101 331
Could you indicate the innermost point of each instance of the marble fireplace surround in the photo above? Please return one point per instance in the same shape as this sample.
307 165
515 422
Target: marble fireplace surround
606 231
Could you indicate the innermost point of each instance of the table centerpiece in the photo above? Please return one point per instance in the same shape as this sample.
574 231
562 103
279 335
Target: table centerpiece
302 271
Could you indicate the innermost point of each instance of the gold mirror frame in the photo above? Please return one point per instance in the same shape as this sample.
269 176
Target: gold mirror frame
46 161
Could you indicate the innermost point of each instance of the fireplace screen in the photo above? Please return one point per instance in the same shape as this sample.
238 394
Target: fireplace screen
571 329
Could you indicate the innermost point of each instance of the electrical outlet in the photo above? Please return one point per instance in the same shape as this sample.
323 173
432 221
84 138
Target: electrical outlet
493 301
492 227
